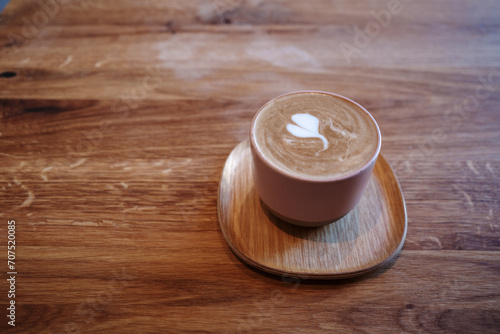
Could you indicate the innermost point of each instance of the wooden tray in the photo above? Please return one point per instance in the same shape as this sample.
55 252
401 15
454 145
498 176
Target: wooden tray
371 235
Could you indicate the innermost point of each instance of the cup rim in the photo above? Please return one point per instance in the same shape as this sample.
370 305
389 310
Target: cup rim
255 148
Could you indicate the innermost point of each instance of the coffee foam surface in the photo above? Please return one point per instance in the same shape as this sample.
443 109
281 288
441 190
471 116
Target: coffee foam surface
315 135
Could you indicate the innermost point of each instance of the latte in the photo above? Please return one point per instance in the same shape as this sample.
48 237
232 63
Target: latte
315 135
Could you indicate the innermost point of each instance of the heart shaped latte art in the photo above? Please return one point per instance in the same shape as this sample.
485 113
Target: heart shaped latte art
307 127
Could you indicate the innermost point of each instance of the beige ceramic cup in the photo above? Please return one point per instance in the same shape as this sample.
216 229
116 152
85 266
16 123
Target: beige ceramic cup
305 201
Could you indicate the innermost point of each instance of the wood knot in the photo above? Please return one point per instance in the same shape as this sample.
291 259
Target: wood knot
171 27
8 74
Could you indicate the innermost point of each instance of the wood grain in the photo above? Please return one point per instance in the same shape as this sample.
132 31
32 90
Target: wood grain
116 207
370 236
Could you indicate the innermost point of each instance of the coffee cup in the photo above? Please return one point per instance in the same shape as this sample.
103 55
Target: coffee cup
313 153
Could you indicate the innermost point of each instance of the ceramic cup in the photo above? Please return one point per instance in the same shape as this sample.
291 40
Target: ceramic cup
308 201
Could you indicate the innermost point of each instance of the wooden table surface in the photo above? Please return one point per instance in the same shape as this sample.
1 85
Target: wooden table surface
117 118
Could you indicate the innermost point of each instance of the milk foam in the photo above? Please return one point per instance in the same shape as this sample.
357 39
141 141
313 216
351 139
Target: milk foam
315 135
307 127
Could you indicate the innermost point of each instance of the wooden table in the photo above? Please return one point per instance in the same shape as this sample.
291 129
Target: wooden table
116 120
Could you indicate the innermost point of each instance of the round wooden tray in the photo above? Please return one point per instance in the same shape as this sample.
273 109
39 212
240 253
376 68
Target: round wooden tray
371 235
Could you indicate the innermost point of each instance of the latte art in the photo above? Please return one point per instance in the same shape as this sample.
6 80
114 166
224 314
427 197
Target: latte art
307 127
315 135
